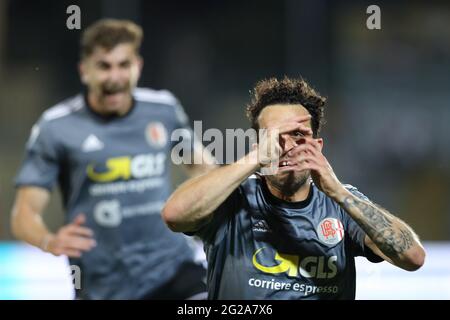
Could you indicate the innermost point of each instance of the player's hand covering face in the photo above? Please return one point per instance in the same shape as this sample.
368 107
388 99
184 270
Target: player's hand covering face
307 156
277 139
299 154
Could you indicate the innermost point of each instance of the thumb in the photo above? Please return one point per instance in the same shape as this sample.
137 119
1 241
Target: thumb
80 219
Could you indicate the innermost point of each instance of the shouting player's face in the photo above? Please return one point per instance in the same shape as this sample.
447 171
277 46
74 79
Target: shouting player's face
110 77
287 180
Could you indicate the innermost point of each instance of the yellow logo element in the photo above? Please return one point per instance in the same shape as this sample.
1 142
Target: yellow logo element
118 168
288 263
139 167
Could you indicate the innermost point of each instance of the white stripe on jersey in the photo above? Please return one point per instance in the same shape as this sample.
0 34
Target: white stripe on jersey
64 108
156 96
163 97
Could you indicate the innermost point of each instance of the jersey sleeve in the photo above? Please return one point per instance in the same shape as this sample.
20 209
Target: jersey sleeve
357 234
40 166
184 140
216 228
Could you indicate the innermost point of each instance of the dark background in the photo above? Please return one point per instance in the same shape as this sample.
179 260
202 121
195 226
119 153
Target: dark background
388 90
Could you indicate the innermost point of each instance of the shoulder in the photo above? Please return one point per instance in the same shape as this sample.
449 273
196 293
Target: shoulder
252 182
356 192
50 121
54 116
349 187
63 109
163 97
248 189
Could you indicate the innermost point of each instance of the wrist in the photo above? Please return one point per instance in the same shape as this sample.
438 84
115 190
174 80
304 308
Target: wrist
340 194
251 159
45 242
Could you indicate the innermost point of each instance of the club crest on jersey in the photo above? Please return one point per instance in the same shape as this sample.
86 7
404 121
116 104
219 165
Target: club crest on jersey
156 134
330 231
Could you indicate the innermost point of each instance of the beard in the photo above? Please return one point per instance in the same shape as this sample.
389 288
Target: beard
288 183
108 88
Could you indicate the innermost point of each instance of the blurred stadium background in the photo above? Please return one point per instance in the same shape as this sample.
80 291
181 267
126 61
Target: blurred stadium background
388 111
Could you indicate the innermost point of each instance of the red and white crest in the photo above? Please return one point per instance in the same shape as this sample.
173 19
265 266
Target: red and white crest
330 231
156 134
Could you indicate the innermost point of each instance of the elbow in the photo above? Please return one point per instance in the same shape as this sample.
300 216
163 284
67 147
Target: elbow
15 226
416 259
171 216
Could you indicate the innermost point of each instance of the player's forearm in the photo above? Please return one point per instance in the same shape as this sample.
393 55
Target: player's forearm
390 234
28 226
195 200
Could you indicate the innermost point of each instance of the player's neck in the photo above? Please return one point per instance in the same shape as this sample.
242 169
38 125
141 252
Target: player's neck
98 106
300 195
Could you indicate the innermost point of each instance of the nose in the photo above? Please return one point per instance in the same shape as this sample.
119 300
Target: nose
286 142
114 74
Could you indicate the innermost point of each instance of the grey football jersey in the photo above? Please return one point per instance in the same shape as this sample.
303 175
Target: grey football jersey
117 172
260 247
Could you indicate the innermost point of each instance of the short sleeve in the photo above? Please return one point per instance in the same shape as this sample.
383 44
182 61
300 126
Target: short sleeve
216 228
184 140
40 166
357 234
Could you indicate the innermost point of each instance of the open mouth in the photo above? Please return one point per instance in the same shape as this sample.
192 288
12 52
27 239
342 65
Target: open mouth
112 92
112 89
283 164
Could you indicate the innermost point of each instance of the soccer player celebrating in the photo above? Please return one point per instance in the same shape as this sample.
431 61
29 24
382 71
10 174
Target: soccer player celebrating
109 149
293 234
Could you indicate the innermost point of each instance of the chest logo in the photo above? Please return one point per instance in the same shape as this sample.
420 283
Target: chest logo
92 143
156 134
319 267
330 231
126 168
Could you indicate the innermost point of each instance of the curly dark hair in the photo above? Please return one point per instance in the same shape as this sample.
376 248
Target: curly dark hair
286 91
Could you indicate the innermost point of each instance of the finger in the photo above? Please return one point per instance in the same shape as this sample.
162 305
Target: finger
313 142
306 164
299 149
80 231
80 243
72 253
79 219
300 161
293 126
305 148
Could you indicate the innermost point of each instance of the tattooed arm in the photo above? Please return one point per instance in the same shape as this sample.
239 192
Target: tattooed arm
387 236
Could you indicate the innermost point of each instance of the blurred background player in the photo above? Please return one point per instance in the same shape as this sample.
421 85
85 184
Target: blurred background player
109 150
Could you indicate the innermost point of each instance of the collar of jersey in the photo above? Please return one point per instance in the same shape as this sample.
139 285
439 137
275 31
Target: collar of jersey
287 204
107 118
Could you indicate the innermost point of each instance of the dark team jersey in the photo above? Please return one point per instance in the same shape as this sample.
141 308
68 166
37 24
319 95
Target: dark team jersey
261 247
117 172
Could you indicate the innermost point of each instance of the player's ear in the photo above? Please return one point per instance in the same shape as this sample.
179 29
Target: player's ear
320 141
82 71
140 63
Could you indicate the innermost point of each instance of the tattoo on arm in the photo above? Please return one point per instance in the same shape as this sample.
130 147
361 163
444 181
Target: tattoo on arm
392 239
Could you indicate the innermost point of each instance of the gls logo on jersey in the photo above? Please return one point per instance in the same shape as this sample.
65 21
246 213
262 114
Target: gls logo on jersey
309 267
138 167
